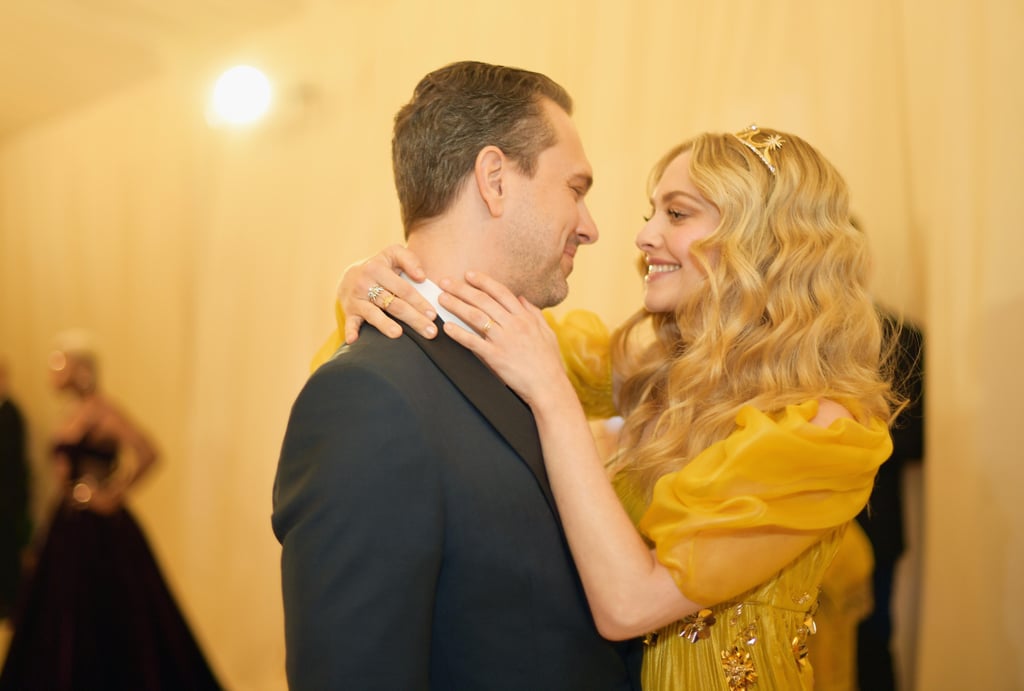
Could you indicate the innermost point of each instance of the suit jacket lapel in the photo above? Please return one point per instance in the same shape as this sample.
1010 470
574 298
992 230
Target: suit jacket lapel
496 402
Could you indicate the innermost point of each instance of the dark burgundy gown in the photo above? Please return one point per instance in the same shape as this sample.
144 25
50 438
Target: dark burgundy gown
96 612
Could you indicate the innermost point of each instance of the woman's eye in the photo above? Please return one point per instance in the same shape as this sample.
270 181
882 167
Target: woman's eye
673 214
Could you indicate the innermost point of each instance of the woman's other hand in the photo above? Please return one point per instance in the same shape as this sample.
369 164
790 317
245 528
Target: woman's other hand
372 291
511 336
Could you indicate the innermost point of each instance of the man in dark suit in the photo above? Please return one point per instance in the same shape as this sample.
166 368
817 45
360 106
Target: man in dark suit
882 520
421 547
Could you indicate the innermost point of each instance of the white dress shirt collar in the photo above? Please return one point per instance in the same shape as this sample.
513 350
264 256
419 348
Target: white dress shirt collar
430 292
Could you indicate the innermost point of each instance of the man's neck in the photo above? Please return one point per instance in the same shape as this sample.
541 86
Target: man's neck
446 251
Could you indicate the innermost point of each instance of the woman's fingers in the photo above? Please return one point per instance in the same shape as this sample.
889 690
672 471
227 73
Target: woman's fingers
472 305
520 348
402 259
352 326
495 290
393 298
353 294
373 292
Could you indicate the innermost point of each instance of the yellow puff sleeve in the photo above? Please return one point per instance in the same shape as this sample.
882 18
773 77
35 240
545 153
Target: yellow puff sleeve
585 344
750 504
333 342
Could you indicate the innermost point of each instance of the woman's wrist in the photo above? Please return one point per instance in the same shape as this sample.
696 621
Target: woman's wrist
556 398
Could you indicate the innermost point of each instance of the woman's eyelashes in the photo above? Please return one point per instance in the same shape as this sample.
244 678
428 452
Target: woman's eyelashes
674 215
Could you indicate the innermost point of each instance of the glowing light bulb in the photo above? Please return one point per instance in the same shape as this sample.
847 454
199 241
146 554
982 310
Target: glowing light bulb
241 95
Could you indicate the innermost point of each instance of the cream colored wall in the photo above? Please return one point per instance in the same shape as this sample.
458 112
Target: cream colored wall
205 261
968 163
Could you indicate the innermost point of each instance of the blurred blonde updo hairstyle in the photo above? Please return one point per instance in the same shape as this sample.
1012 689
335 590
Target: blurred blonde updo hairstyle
785 315
75 349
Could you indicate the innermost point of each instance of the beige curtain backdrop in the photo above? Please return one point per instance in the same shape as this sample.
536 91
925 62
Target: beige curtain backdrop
204 261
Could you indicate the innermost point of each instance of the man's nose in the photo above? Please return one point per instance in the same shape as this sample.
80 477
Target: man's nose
587 231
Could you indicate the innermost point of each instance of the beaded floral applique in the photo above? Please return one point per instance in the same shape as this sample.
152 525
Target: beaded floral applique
737 662
697 627
738 668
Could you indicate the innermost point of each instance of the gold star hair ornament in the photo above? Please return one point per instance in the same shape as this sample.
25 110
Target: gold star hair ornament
761 144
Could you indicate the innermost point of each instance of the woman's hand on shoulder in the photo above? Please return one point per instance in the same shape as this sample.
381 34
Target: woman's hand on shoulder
510 335
374 292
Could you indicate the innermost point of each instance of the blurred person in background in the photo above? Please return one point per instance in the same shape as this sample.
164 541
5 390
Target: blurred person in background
96 612
882 520
15 524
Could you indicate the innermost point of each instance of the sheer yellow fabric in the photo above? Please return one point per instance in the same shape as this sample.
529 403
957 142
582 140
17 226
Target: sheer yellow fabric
585 342
750 526
333 342
777 480
846 598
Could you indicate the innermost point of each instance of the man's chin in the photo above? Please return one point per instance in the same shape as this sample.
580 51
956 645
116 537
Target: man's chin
548 296
557 294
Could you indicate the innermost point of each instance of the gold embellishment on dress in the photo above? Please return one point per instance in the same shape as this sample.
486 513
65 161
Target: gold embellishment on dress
809 622
800 649
696 626
737 662
749 634
651 638
739 669
809 628
802 599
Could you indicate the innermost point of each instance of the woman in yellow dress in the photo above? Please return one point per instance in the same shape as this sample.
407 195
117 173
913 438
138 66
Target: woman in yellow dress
754 403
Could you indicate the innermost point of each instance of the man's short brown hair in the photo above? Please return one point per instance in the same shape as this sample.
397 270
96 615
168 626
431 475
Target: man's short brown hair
455 112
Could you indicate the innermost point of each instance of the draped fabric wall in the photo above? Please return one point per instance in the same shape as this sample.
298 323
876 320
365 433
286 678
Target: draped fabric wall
205 261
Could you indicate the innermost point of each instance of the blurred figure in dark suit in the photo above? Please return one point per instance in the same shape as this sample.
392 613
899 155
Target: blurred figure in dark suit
15 524
883 519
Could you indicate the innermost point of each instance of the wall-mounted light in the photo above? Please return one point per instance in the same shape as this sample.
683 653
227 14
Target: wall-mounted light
240 96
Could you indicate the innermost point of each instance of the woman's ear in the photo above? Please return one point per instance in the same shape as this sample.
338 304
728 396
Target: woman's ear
489 171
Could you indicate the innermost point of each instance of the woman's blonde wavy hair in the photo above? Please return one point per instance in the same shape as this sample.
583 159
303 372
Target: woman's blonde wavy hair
785 315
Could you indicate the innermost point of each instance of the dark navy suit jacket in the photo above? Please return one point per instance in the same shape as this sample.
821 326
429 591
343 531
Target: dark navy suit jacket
421 547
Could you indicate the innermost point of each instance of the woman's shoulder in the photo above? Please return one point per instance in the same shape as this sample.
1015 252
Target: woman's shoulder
829 411
807 425
819 412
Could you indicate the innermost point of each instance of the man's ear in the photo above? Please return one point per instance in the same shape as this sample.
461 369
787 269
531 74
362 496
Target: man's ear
490 171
